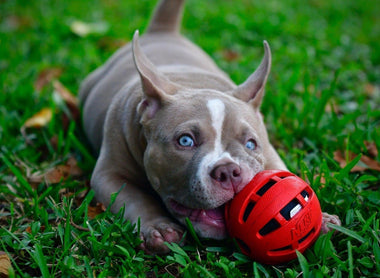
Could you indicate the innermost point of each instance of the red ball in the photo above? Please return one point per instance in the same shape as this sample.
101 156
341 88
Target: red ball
276 214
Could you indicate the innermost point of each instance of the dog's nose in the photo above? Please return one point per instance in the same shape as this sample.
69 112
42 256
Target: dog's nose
227 175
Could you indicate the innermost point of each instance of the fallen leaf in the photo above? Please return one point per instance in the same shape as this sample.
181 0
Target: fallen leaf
54 141
29 229
332 107
365 162
84 29
40 119
16 22
322 179
371 148
80 196
370 89
230 55
5 264
111 44
58 173
65 94
70 101
371 163
46 76
92 212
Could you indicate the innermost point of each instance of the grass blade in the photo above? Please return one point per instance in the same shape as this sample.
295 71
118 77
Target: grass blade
350 260
346 170
23 182
347 232
41 261
304 264
256 273
193 233
77 144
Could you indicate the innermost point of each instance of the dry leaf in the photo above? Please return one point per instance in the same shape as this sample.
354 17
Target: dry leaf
5 264
40 119
92 212
332 107
370 89
111 44
371 163
321 177
371 148
29 229
230 55
365 162
65 94
71 102
58 173
46 76
16 22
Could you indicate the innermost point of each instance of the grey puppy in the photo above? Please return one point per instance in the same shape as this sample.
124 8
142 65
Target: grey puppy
175 135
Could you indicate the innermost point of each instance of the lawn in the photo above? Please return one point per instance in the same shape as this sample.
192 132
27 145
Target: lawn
322 110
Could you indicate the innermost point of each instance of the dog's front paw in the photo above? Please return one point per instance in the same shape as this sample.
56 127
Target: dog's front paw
155 234
327 218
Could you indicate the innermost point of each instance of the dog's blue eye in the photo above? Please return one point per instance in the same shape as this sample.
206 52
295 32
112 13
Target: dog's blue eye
186 141
251 144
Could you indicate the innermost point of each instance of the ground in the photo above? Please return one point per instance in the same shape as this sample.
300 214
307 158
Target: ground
322 109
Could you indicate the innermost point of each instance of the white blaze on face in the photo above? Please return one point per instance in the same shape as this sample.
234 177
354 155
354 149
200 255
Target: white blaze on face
216 108
217 112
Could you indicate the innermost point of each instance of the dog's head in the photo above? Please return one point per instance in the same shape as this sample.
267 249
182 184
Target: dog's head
203 145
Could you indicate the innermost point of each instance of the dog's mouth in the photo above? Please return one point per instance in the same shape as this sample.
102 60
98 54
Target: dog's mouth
214 218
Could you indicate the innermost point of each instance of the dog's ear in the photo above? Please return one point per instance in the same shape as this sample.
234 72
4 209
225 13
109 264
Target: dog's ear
157 88
252 90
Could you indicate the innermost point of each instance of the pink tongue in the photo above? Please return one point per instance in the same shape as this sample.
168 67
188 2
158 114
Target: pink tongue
216 214
199 214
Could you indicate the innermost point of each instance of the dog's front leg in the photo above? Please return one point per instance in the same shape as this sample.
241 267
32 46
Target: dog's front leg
156 226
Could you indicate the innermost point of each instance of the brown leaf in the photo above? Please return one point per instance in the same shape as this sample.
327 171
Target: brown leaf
371 148
111 44
370 89
332 107
55 175
75 171
5 264
65 94
40 119
17 22
29 229
364 163
71 102
58 173
371 163
230 55
322 179
92 212
80 196
46 76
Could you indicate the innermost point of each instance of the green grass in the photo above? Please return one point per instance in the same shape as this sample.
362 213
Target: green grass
323 95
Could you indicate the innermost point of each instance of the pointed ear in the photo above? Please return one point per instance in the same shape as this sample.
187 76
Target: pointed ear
155 85
252 90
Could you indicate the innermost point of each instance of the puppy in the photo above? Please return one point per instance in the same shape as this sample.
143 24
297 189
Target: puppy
176 137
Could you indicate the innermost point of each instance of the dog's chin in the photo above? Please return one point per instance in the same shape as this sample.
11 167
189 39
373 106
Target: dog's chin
207 223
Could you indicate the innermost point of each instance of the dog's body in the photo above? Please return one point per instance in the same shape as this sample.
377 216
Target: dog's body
173 122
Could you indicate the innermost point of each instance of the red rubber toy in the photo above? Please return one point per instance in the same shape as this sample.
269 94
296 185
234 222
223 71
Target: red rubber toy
276 214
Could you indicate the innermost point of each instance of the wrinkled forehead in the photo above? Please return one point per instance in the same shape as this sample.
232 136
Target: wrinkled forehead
217 109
